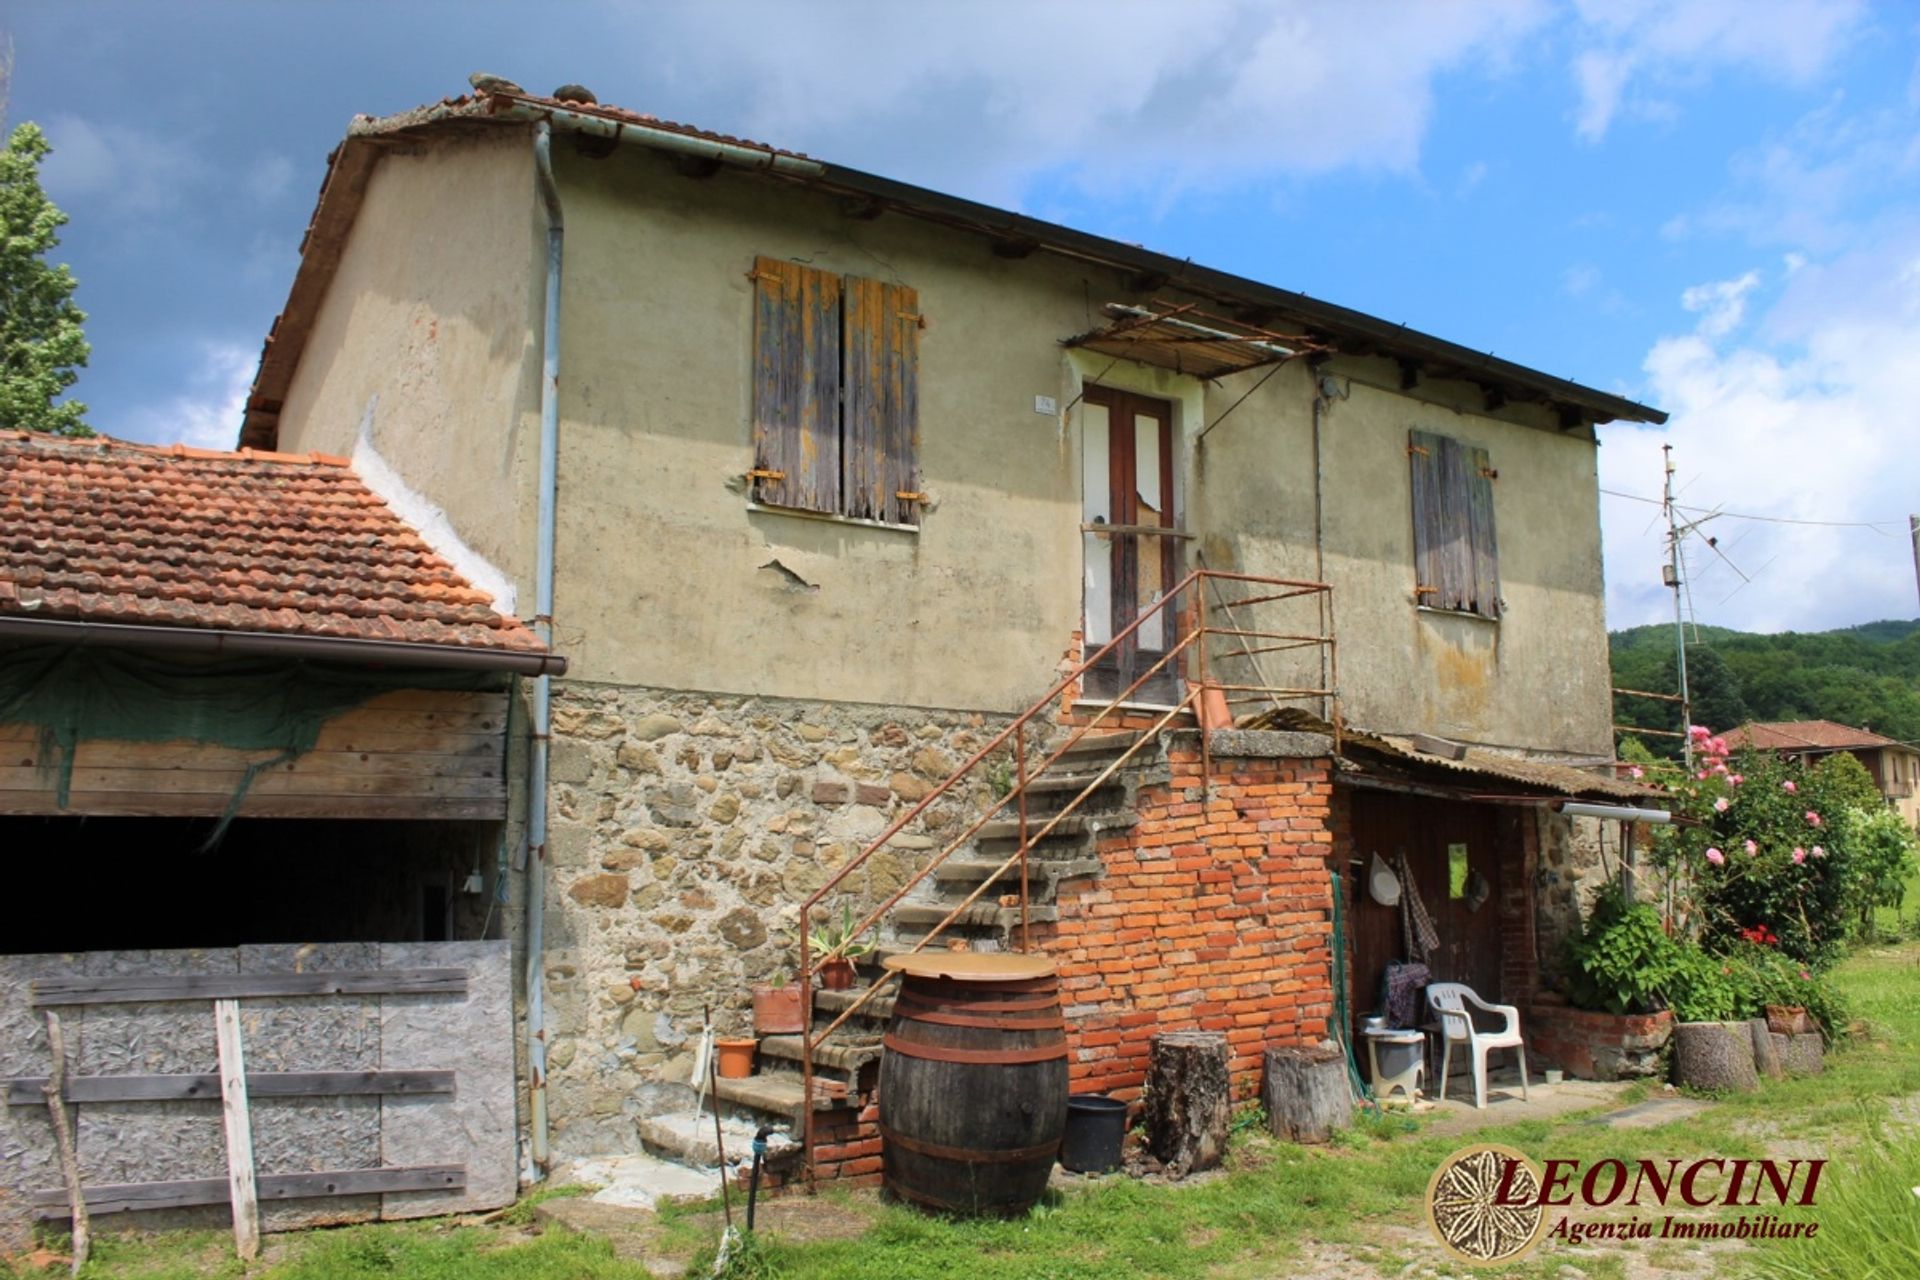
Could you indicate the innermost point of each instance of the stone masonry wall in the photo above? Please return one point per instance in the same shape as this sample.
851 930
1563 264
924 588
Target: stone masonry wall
1212 915
687 829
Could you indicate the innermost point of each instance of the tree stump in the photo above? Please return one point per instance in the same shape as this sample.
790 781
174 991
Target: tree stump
1188 1101
1306 1093
1804 1054
1714 1055
1766 1058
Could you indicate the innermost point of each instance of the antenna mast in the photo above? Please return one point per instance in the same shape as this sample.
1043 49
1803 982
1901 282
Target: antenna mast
1672 576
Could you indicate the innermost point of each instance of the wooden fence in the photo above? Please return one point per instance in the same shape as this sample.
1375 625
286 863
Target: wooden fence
281 1086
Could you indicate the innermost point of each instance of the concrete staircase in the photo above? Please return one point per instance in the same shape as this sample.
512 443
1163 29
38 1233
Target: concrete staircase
846 1065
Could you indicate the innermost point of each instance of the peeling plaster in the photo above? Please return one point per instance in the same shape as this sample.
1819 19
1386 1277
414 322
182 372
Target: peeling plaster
428 519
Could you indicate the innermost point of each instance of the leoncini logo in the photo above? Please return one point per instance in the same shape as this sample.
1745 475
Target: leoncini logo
1490 1204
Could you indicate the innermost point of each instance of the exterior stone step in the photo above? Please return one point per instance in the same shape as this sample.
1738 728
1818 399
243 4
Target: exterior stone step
1071 783
778 1093
832 1003
687 1136
1009 828
981 915
848 1054
1040 871
1097 746
1072 832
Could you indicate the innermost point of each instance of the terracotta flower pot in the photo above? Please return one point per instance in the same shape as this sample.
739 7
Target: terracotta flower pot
1788 1019
736 1057
837 974
776 1011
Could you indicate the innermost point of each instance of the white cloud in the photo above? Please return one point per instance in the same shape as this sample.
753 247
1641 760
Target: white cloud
117 167
1630 48
1202 93
1601 77
1722 304
1815 427
208 415
1806 187
1579 280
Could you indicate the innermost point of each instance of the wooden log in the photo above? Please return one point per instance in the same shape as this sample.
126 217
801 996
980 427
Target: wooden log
1188 1100
1306 1093
1714 1055
1804 1054
63 1142
237 1119
1766 1058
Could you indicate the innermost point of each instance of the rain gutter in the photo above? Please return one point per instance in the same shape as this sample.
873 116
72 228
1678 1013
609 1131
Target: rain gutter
542 684
344 649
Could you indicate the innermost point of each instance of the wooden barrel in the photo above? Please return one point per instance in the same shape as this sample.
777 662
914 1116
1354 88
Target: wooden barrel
973 1081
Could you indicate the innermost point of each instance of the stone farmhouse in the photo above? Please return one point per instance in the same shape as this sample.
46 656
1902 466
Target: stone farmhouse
968 579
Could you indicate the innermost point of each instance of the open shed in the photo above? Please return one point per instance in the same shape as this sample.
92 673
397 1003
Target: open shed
254 778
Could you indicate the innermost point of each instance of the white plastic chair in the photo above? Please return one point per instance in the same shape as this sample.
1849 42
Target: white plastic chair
1448 1000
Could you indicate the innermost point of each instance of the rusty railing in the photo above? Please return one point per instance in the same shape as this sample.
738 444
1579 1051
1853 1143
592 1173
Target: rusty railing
1195 630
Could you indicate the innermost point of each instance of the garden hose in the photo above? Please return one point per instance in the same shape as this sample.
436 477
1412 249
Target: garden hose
1342 1018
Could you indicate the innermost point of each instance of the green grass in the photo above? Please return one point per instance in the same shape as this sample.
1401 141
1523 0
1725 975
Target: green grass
1362 1196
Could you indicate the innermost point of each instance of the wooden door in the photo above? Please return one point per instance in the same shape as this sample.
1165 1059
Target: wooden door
1435 834
1131 537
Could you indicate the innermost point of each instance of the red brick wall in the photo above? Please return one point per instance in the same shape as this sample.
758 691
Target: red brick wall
1212 915
1596 1046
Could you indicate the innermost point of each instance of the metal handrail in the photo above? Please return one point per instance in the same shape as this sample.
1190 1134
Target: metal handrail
1196 631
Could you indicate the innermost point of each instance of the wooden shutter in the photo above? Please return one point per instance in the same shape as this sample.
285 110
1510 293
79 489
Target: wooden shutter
882 418
796 386
1456 556
1486 553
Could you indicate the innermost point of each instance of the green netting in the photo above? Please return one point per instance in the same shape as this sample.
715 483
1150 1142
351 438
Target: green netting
1342 1015
75 695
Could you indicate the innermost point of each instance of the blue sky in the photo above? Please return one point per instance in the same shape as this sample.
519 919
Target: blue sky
1708 205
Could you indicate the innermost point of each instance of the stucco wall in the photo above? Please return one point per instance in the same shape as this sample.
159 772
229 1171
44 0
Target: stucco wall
668 579
1538 678
427 346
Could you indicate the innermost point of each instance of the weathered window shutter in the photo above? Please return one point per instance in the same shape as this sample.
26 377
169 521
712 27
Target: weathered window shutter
796 386
1486 555
882 415
1456 556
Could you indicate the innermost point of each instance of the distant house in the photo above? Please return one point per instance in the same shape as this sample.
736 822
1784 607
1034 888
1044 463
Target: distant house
1895 765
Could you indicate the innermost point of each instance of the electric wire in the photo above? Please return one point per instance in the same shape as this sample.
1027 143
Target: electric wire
1874 525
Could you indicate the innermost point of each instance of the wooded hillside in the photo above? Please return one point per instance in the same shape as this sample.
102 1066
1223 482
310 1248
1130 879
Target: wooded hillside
1867 676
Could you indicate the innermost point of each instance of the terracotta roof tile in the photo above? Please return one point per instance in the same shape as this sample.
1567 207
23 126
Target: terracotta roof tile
103 530
1805 735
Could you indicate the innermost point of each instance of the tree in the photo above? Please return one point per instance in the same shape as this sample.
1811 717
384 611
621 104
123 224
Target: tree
42 344
1714 690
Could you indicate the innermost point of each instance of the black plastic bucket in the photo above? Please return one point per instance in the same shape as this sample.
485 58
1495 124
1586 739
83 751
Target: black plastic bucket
1096 1128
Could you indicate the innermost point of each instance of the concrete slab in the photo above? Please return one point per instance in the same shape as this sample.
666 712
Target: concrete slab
640 1181
1457 1114
689 1138
1653 1113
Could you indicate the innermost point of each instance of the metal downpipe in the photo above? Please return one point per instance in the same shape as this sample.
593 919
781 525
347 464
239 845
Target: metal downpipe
543 684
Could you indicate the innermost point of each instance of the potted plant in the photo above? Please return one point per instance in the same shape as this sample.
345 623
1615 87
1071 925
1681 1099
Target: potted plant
776 1008
840 948
735 1056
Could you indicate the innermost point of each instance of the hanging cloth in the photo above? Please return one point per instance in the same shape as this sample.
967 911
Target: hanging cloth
1416 926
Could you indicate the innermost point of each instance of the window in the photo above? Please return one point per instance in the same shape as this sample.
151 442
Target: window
1456 560
835 405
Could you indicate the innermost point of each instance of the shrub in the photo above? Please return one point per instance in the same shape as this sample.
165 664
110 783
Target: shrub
1623 961
1704 987
1881 853
1764 843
